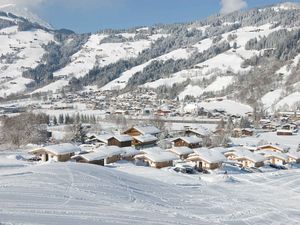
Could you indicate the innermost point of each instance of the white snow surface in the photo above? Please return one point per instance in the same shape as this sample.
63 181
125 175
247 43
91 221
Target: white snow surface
74 193
231 107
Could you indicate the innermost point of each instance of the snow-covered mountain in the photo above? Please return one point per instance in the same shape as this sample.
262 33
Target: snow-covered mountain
250 57
25 13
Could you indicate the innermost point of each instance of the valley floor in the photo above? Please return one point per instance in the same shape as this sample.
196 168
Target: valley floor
71 193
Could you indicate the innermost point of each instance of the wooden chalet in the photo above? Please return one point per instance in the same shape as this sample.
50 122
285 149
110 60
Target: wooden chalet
142 130
205 158
190 142
144 141
156 158
284 132
182 152
59 153
293 157
120 141
245 157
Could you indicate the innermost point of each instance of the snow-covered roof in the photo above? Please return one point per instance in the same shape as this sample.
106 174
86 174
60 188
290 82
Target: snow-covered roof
104 137
153 149
110 150
60 149
294 154
181 150
159 155
147 129
269 154
220 149
129 151
200 131
270 146
93 156
146 138
123 138
242 152
190 140
209 155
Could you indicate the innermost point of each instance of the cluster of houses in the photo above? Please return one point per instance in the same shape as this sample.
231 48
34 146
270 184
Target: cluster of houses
139 144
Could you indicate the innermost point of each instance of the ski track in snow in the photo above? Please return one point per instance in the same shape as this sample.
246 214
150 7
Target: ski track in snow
70 193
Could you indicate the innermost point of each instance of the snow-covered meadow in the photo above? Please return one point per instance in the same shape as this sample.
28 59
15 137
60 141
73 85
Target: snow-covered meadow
122 193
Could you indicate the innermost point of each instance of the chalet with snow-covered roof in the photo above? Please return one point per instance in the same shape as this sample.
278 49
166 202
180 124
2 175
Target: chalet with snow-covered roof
129 153
142 130
156 158
293 157
144 141
120 141
59 153
99 139
276 158
205 158
96 158
201 133
182 152
245 157
190 142
270 147
112 153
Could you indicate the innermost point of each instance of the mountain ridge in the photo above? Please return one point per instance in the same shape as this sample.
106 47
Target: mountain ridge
196 60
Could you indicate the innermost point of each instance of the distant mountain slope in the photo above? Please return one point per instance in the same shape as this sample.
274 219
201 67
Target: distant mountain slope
245 56
25 13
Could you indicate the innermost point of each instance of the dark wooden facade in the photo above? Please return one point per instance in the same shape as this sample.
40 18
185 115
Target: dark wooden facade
115 142
181 143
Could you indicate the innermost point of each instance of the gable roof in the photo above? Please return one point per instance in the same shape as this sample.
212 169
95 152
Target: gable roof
122 138
242 152
190 140
93 156
294 154
269 154
110 150
129 151
181 150
147 129
157 154
145 138
209 155
60 149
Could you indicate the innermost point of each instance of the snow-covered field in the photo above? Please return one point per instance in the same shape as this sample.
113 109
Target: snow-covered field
70 193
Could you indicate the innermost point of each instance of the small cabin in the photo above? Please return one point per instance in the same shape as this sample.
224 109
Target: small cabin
245 157
284 132
59 153
144 141
182 152
96 158
129 153
112 153
276 158
156 158
205 158
247 132
190 142
142 130
270 147
120 141
293 157
201 133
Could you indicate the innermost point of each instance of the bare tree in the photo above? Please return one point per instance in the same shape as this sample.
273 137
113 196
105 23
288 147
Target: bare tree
25 128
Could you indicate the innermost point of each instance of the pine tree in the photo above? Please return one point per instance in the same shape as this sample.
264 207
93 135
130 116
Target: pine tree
54 121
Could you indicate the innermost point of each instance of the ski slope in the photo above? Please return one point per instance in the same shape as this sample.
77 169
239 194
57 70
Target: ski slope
70 193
